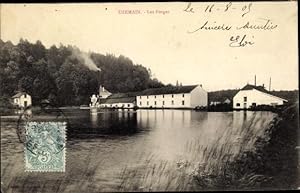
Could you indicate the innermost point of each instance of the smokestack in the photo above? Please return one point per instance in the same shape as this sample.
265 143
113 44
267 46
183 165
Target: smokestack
254 80
263 85
270 84
100 89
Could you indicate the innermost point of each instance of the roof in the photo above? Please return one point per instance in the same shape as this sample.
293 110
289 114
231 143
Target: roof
120 98
169 90
259 88
104 91
19 94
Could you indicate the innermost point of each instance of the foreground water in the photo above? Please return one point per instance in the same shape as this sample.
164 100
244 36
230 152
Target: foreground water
144 150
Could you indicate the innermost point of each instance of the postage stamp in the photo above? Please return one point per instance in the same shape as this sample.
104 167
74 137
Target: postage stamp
45 146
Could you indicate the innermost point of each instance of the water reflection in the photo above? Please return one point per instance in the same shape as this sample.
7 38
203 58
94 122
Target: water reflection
102 123
115 150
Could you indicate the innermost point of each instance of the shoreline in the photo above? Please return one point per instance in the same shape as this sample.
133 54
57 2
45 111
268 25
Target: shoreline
273 165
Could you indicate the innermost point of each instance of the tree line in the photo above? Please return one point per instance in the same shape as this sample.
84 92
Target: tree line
64 75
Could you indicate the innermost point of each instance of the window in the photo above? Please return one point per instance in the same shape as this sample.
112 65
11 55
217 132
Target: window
182 102
140 97
238 104
154 102
128 105
147 97
155 96
147 103
140 103
25 95
245 99
172 102
182 95
172 95
163 96
163 102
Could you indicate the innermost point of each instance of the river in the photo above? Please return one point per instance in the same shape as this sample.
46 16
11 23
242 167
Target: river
143 150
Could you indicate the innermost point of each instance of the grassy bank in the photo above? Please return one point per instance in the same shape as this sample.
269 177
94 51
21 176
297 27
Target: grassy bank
272 164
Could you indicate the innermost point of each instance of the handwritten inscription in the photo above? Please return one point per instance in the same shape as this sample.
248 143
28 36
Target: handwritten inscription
214 26
267 25
245 38
240 41
245 9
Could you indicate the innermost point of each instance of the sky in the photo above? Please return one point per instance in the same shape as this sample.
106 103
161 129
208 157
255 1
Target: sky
157 35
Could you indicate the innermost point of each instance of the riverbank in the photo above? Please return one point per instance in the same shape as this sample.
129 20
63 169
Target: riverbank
272 165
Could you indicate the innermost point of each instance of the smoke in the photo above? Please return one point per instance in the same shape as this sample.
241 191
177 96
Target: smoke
86 58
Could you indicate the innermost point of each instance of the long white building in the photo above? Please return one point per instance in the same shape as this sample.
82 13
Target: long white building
251 96
173 97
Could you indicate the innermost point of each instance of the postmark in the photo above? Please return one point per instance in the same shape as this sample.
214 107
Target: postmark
45 146
43 133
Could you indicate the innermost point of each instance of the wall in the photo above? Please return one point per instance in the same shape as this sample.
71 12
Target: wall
167 98
199 97
117 105
254 96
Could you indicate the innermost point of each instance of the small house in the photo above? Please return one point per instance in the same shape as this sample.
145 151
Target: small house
251 96
22 100
227 101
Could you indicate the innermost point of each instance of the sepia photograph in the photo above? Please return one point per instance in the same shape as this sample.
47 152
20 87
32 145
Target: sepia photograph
147 97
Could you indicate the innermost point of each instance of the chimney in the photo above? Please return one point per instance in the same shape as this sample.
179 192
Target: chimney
270 84
254 80
100 90
263 85
200 85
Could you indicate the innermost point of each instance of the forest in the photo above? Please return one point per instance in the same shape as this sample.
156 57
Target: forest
65 75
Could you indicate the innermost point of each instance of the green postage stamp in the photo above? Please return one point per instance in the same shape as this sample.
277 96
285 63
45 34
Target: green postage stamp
45 146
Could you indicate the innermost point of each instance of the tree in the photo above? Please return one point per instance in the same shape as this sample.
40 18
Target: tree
60 74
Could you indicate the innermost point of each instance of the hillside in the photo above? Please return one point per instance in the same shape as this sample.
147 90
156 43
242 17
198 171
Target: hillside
65 75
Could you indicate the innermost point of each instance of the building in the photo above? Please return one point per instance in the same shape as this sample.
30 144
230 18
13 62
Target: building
22 100
227 101
103 93
251 96
222 100
119 100
173 97
94 101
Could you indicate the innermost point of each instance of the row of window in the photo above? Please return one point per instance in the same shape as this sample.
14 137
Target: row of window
162 96
128 105
238 104
163 103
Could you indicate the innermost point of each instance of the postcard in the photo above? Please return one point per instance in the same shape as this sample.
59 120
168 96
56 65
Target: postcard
166 96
